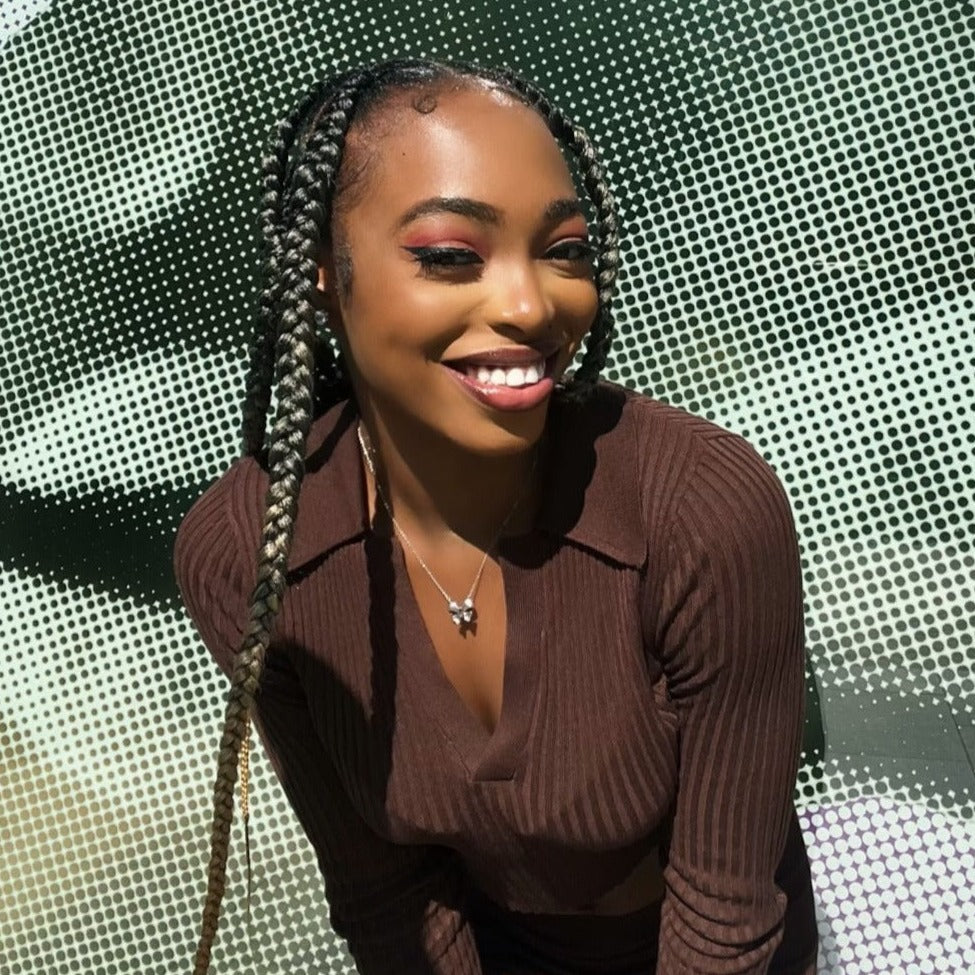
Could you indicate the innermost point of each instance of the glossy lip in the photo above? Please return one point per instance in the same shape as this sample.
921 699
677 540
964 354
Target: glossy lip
507 397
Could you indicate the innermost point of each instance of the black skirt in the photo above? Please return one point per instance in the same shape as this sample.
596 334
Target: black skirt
517 943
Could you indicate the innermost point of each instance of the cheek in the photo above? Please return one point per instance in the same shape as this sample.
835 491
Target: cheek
400 322
580 307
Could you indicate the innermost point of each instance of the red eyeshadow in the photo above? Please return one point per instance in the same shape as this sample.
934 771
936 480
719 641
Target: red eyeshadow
434 238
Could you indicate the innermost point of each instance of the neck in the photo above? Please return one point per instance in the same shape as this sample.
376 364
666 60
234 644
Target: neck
440 489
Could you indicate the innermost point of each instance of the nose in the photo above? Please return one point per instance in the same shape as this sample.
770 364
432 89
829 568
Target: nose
519 297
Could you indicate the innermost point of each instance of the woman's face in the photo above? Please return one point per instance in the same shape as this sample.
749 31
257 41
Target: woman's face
466 240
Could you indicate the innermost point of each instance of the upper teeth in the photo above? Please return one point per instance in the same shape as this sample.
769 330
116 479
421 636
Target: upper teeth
515 376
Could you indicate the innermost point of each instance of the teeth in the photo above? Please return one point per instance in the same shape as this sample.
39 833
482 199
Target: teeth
515 376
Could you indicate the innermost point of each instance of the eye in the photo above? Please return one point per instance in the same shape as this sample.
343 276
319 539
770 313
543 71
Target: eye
443 258
573 250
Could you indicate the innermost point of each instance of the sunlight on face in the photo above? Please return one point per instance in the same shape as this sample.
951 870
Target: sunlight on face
467 238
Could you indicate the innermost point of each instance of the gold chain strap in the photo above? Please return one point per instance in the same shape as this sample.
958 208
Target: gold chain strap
244 770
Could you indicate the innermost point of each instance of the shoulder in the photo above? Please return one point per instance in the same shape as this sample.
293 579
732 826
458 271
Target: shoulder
631 419
221 532
221 529
659 423
625 464
680 460
214 557
731 512
670 431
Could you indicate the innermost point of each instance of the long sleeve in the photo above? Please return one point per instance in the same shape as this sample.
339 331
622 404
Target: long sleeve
397 906
731 644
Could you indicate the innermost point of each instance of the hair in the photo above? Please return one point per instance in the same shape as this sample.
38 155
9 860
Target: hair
305 188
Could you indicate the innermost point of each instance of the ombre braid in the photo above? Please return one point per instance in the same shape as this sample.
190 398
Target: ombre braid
300 177
293 260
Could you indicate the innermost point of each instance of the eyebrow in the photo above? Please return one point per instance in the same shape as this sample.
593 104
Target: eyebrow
464 206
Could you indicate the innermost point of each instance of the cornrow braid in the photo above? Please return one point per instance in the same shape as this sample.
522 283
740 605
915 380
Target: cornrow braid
600 336
300 177
274 174
294 373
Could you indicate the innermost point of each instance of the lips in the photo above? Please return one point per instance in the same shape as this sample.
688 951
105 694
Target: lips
489 373
523 388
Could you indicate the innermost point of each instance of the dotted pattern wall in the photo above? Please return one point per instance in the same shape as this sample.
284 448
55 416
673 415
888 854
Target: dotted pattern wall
797 191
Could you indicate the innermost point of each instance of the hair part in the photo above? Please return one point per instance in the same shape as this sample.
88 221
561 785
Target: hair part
309 182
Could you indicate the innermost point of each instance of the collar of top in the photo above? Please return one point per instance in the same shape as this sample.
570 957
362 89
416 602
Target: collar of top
591 495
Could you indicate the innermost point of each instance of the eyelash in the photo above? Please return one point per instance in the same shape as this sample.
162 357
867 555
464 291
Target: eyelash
450 258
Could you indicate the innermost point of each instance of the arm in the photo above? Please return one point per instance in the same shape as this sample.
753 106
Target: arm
731 643
398 907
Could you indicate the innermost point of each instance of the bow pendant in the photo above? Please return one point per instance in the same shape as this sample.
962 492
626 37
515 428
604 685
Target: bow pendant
461 613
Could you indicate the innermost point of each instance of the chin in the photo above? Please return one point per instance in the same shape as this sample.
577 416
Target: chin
503 432
460 419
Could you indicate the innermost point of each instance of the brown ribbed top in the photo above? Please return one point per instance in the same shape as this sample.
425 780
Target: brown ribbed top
652 695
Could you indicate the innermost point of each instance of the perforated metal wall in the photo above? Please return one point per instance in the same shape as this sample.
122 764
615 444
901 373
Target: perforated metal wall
797 191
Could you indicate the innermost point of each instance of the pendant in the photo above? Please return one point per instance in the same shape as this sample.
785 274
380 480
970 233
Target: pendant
461 613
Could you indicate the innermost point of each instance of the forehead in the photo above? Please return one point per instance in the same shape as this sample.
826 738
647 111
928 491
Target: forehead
476 142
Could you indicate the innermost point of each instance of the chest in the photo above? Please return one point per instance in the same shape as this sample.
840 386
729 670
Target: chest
523 726
470 652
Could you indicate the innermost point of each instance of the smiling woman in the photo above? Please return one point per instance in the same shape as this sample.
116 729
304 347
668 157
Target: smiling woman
525 648
460 258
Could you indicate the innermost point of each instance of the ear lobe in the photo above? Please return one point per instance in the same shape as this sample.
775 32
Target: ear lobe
323 294
321 285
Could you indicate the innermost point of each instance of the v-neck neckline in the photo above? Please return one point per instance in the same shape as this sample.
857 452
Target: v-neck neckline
487 755
495 755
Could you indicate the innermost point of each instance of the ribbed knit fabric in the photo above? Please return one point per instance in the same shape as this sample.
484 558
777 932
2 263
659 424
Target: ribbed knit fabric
652 696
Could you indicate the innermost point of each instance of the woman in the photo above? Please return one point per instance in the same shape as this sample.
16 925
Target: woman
526 649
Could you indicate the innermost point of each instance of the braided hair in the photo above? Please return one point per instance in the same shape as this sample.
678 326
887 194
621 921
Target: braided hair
304 185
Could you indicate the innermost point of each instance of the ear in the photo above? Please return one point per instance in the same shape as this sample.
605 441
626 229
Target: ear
324 295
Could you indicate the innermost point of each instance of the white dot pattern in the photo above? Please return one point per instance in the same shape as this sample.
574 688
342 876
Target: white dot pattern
796 190
894 887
